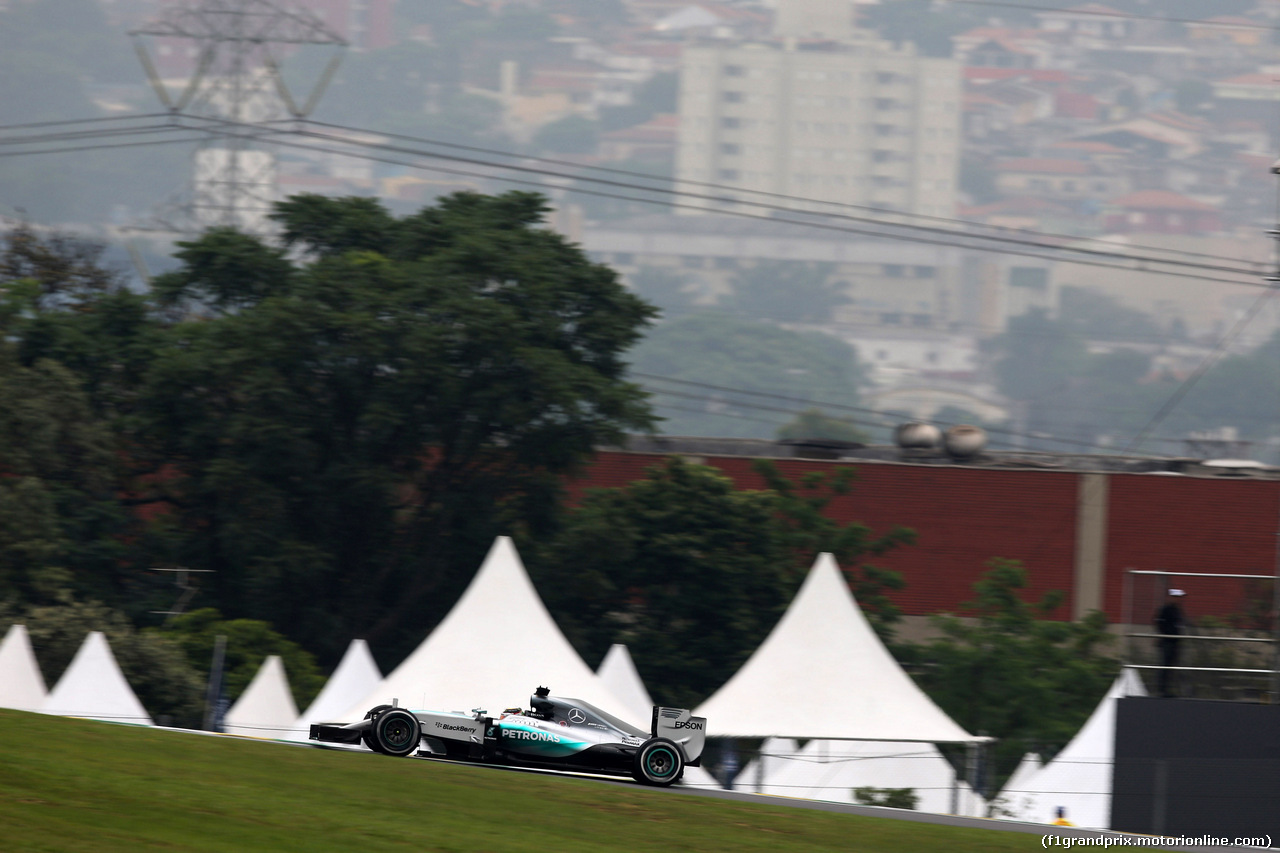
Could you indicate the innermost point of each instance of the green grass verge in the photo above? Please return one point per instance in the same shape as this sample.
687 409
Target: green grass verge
70 785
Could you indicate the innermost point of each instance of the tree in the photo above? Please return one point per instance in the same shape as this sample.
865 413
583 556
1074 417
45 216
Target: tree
56 507
1038 356
359 417
814 423
692 573
1096 315
1010 671
156 669
787 291
725 353
248 643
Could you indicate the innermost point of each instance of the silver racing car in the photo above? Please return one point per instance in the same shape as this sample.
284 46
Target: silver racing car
554 733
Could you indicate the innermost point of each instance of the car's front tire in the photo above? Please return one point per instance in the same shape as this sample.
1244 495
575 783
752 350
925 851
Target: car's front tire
658 761
368 736
396 732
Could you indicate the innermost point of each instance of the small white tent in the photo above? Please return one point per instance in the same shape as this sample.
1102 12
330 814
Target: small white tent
496 646
832 770
356 675
266 707
618 672
93 686
823 673
1078 779
21 684
1012 799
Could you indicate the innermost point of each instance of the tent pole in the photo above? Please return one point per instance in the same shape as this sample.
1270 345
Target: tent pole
971 769
955 791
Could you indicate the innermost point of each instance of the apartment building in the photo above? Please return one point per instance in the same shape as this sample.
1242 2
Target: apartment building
850 121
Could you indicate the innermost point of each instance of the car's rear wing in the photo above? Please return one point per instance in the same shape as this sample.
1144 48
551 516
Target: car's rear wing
681 726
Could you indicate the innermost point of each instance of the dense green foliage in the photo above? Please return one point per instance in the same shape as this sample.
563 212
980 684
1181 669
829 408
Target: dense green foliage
748 355
338 425
692 573
79 785
362 423
248 642
1009 671
337 428
1064 389
167 686
814 423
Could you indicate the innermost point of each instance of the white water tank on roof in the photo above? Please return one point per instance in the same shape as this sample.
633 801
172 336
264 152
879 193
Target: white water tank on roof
917 436
963 440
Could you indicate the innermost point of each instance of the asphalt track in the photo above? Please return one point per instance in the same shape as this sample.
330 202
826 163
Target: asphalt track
1039 830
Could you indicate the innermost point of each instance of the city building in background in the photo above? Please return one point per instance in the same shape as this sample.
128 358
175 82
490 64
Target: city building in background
853 120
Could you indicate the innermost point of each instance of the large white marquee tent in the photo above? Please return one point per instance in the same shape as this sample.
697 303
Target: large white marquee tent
496 646
1078 778
94 687
21 684
833 769
266 708
822 673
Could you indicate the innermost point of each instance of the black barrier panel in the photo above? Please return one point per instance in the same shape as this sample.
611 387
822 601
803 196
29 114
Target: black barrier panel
1194 767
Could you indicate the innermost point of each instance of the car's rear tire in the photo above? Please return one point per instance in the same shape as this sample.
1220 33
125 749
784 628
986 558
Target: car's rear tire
397 732
658 761
368 738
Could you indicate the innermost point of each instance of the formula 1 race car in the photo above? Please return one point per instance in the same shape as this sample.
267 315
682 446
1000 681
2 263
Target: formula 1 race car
561 734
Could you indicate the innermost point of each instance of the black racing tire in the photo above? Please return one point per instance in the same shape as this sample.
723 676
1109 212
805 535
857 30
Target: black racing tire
368 738
397 732
658 761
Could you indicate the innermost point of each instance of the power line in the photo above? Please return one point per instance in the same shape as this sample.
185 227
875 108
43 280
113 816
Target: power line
104 146
674 408
50 139
838 406
934 235
1108 258
998 231
1105 260
1111 13
77 121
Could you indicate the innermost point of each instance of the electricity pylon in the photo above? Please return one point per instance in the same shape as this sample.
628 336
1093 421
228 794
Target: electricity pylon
236 84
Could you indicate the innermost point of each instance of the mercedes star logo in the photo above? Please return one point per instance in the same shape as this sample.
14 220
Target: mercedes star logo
576 716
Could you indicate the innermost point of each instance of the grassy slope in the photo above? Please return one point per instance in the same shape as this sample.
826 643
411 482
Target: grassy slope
84 786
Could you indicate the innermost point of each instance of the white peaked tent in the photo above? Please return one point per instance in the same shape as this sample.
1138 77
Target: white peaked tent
823 673
266 707
1078 778
357 674
21 684
832 769
1012 797
496 646
93 686
618 672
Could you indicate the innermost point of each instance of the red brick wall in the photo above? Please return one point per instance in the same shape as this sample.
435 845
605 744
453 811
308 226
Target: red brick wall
963 517
1190 524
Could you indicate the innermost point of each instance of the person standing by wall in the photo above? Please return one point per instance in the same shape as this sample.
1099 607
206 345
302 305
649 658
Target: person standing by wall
1169 622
